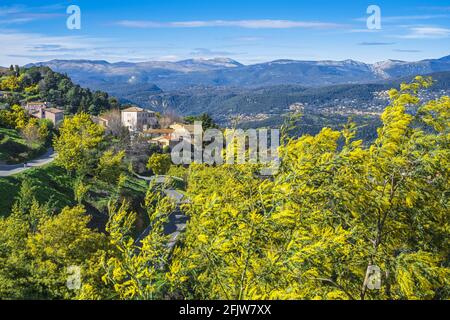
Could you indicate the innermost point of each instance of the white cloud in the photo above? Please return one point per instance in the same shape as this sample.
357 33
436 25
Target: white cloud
439 8
367 30
374 43
407 50
249 39
211 53
426 33
418 17
407 18
15 20
23 48
19 14
248 24
170 58
10 10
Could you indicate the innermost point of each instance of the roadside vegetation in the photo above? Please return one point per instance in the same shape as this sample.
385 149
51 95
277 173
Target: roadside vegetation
22 138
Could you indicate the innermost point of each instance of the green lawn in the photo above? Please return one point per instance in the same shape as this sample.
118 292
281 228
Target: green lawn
14 149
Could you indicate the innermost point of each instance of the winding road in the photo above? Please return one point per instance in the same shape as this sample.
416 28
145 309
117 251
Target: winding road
177 220
176 223
10 170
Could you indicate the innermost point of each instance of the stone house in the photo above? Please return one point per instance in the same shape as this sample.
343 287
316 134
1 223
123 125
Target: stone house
54 115
138 119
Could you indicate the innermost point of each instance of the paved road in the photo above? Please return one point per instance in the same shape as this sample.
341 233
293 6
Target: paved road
158 179
9 170
177 221
175 225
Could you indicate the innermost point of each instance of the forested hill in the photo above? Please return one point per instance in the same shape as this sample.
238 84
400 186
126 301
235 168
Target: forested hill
19 85
221 102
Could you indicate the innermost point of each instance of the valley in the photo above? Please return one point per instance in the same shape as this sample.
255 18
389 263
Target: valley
256 95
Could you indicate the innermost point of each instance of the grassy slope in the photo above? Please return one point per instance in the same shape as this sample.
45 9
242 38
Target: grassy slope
51 182
54 185
13 148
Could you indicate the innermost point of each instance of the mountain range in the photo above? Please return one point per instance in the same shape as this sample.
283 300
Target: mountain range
225 88
219 72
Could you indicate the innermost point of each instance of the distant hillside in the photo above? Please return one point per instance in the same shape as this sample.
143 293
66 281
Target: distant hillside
442 81
224 102
220 72
139 94
98 72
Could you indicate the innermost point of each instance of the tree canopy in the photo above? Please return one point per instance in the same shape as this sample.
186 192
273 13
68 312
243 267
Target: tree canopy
41 83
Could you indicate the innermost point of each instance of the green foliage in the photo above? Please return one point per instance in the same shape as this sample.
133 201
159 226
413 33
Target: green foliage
37 248
14 118
15 149
26 196
10 83
336 207
110 166
34 135
80 190
178 172
61 242
36 131
41 83
332 211
159 163
50 182
78 143
135 271
207 121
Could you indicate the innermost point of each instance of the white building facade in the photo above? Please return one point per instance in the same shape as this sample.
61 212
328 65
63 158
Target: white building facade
138 119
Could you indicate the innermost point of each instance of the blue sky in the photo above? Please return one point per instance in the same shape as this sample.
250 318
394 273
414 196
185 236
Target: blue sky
247 30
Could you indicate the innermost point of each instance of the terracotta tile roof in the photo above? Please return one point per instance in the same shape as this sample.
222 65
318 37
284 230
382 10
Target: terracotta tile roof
137 109
159 131
106 118
166 137
183 127
133 109
53 110
33 103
